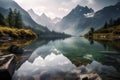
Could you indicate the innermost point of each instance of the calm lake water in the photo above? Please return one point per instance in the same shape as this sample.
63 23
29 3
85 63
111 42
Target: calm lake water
57 59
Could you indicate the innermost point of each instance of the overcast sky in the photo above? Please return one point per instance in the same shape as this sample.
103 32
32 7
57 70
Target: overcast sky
60 8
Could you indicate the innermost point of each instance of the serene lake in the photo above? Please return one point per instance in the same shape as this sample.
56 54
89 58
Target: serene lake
56 59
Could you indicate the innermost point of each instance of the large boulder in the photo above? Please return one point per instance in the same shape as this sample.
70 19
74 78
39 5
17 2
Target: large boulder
7 66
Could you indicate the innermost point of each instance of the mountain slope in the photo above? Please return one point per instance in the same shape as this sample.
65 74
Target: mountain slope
102 16
76 16
56 20
107 13
6 4
78 22
43 19
4 11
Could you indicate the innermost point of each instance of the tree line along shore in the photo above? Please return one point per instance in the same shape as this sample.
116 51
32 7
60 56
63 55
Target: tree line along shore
12 27
110 31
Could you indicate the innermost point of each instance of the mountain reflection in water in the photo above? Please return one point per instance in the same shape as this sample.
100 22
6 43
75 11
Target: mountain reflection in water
67 59
57 66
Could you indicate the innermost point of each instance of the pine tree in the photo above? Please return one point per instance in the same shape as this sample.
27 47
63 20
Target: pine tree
117 22
2 20
11 19
111 22
15 13
92 29
105 25
14 19
18 20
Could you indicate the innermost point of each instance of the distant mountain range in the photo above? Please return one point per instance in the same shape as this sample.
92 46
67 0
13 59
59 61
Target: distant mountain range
29 22
70 22
81 19
43 19
77 22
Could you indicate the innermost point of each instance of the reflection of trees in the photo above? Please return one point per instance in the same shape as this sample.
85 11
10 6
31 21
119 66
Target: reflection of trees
111 57
21 58
91 41
108 44
21 43
43 41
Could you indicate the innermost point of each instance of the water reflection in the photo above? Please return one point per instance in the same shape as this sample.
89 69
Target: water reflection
21 43
114 44
41 42
73 48
54 67
76 51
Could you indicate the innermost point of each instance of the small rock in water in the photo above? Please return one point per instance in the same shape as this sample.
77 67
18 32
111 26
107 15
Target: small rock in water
15 49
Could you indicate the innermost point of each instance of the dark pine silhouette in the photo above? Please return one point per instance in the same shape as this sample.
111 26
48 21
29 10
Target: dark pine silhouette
2 20
14 19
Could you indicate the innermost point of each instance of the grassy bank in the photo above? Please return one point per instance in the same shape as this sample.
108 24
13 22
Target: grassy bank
109 33
15 33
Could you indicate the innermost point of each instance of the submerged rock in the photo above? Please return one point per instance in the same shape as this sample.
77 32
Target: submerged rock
7 66
91 76
15 49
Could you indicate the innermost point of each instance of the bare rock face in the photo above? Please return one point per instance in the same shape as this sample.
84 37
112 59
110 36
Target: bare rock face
7 66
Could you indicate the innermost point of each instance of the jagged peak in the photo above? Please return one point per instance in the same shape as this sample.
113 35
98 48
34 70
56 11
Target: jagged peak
86 7
43 14
31 10
83 8
78 7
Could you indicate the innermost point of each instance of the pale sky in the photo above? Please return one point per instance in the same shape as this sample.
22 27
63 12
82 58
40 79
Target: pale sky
60 8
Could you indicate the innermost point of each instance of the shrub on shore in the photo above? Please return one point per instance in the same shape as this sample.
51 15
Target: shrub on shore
17 33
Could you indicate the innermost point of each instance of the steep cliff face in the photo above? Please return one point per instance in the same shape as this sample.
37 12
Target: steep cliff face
81 19
69 23
42 19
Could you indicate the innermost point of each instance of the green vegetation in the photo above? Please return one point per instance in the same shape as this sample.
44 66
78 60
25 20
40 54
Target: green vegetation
12 26
110 30
14 19
112 23
110 27
91 31
17 33
2 20
4 45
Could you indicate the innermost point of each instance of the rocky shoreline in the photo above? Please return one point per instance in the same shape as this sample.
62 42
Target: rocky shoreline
9 61
7 66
